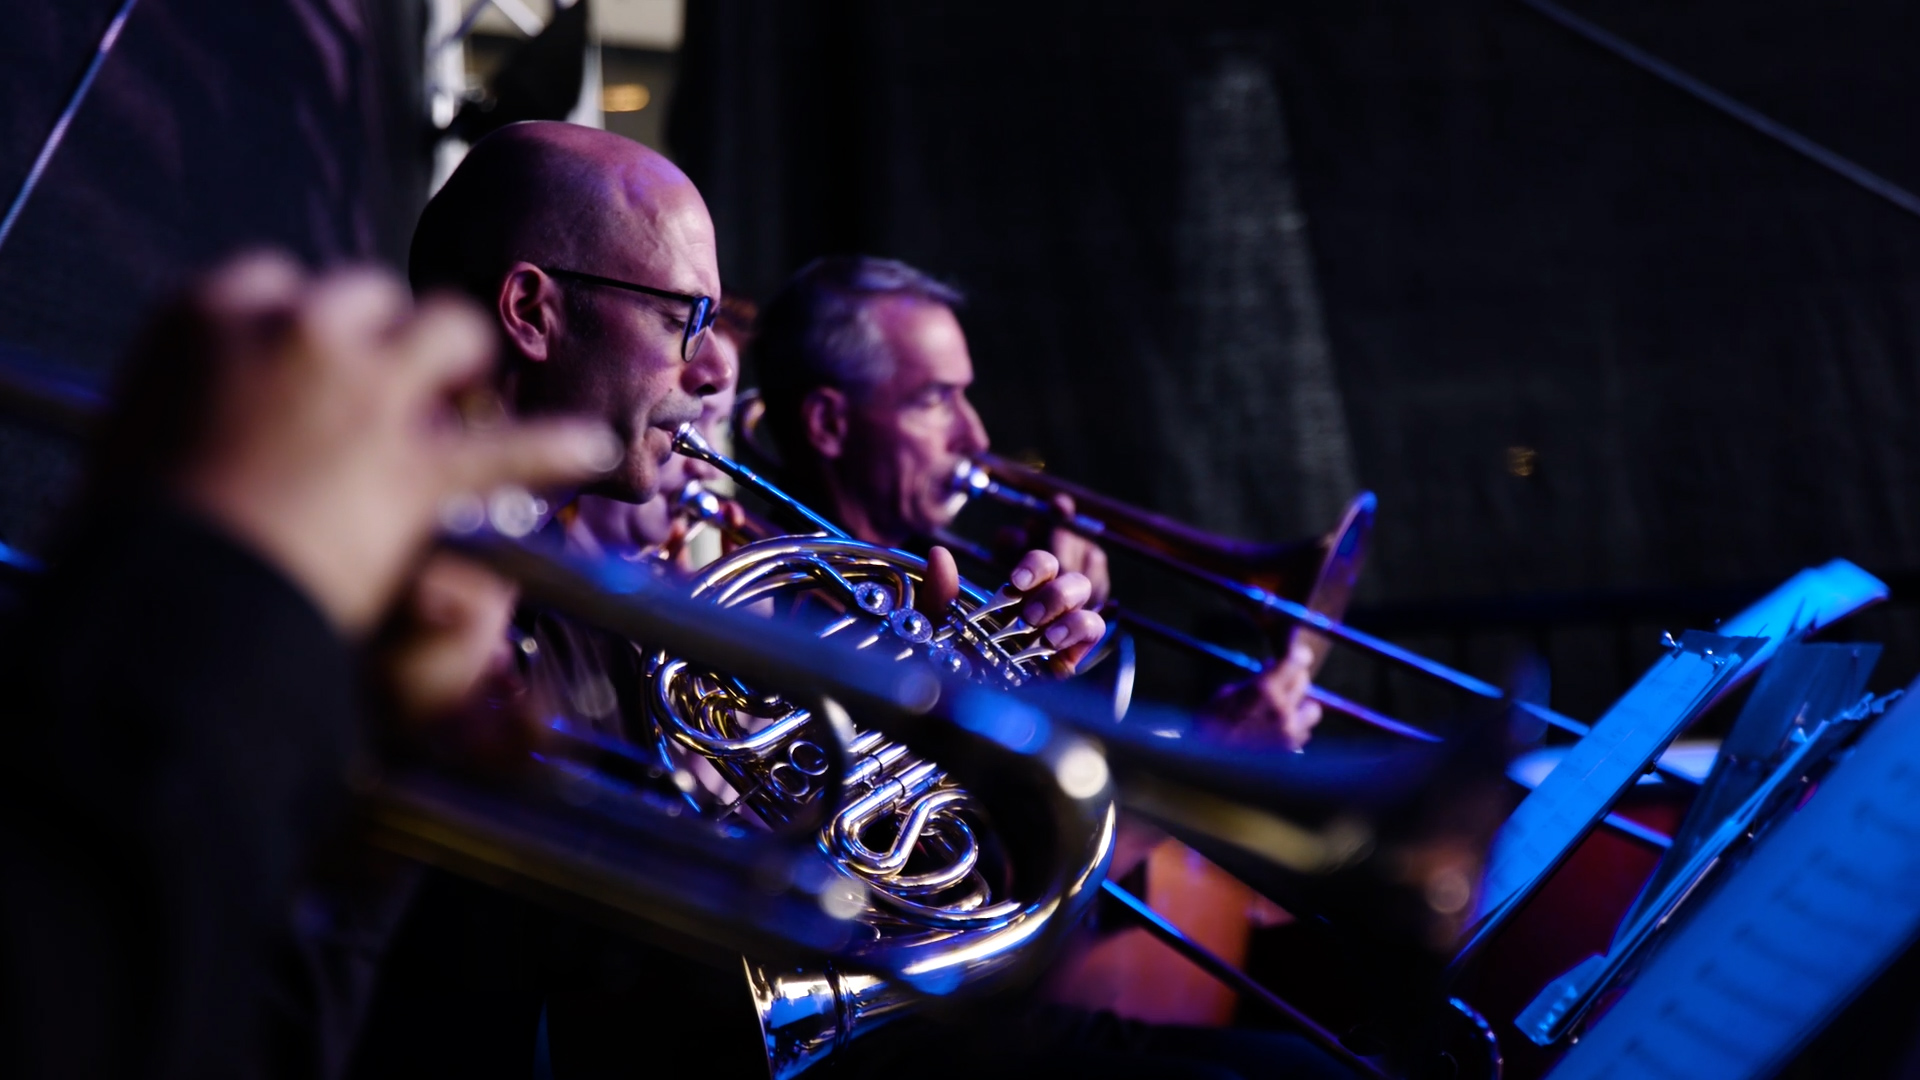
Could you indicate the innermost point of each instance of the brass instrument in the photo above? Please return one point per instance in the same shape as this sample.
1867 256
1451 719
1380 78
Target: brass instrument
1319 571
874 856
1304 585
700 509
935 890
1309 581
572 826
929 914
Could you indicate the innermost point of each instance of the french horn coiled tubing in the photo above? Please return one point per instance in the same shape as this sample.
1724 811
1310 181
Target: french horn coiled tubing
933 883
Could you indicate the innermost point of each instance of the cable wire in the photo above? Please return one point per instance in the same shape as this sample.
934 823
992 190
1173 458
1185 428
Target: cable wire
1765 125
59 132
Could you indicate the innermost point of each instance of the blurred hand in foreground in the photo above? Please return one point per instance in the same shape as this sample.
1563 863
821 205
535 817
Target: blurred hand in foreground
326 435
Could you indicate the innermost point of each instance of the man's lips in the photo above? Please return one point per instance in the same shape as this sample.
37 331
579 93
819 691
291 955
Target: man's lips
670 430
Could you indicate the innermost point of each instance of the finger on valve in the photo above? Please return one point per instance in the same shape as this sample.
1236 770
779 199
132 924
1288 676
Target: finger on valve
1034 570
1067 593
1074 635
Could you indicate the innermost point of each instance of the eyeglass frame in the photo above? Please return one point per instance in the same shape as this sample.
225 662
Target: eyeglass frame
705 310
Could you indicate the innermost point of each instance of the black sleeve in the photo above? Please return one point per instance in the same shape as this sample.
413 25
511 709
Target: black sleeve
179 721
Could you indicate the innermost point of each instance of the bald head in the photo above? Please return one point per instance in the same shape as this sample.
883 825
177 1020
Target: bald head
556 194
549 226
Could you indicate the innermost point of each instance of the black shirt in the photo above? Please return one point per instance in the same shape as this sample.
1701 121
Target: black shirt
180 721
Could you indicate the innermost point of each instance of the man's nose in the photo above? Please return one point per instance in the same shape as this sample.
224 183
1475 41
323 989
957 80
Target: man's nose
972 436
709 372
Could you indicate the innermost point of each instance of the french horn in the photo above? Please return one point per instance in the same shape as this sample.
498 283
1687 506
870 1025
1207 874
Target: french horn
937 896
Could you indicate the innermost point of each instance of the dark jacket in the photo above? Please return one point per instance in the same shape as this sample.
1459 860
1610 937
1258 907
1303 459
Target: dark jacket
180 721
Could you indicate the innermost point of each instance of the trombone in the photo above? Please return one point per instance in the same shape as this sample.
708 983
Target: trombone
1305 584
1267 578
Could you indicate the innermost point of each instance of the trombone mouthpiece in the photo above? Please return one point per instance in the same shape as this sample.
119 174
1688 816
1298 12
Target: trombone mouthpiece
969 480
688 443
697 502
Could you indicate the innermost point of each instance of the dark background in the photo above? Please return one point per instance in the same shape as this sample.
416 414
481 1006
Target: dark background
1583 335
1509 251
1612 362
212 126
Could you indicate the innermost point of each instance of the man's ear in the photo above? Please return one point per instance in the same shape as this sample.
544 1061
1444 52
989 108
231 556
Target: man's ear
824 413
529 307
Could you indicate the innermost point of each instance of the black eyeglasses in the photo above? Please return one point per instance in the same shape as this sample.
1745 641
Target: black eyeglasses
699 320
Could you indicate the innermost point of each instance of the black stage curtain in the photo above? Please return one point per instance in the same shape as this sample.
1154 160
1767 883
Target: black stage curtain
1231 259
213 126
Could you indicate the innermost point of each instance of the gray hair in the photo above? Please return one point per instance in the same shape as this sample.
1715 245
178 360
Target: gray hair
820 332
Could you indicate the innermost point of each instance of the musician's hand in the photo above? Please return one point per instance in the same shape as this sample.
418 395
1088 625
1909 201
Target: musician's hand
940 587
445 667
448 631
328 439
1056 603
739 526
1273 704
1079 554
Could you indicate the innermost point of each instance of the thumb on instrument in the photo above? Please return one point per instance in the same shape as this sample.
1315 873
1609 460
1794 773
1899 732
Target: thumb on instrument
940 587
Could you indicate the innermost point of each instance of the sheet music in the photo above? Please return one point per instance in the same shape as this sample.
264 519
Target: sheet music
1826 901
1803 685
1576 794
1807 601
1554 817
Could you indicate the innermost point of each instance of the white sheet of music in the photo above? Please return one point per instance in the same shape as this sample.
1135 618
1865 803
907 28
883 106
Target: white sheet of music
1578 792
1826 901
